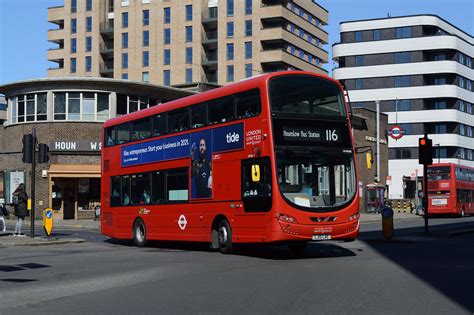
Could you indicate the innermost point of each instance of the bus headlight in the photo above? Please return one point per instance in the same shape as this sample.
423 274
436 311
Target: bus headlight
286 218
353 217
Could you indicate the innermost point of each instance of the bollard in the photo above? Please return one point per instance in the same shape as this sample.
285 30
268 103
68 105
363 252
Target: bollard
387 222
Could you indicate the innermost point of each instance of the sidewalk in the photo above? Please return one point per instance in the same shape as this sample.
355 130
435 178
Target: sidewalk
7 238
377 217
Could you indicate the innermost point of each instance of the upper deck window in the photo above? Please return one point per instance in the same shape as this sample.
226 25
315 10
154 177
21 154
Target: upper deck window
302 94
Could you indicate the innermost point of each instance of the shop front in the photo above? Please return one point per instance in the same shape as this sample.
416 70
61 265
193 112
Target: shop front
74 190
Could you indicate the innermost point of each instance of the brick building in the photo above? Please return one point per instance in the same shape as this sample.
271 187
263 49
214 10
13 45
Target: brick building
68 115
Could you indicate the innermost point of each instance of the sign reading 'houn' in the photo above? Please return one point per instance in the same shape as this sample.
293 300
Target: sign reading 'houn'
65 146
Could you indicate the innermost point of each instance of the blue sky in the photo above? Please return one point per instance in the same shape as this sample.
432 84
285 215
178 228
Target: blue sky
23 27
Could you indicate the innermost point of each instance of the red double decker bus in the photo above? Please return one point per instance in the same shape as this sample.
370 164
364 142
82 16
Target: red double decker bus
450 189
268 159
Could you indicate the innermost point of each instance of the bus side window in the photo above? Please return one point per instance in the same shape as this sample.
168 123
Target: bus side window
111 136
140 189
159 125
158 188
125 197
123 133
198 115
248 104
115 192
178 120
140 129
221 110
177 185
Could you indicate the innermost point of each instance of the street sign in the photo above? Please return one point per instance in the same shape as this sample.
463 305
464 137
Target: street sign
396 132
48 221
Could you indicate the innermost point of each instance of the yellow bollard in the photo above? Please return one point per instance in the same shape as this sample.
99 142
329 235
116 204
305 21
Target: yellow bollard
387 222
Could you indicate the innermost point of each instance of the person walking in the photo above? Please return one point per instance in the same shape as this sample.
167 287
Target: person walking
3 214
20 200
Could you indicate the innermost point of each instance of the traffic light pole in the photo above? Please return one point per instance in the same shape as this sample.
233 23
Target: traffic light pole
425 197
33 183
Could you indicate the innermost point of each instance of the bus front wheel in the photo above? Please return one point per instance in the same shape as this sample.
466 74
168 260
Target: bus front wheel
225 237
139 233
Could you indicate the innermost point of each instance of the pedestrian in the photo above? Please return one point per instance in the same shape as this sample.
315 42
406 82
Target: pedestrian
20 199
3 214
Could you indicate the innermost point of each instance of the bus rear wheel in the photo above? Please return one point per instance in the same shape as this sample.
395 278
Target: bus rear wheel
139 233
224 237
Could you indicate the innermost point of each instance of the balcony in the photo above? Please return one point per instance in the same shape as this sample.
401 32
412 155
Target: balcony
56 35
271 58
55 53
56 14
107 28
209 38
107 68
210 18
107 48
210 59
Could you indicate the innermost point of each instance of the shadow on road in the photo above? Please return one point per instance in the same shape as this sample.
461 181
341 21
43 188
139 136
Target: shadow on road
443 259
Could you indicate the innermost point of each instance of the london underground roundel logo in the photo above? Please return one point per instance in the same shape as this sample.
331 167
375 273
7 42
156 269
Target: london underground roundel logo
396 132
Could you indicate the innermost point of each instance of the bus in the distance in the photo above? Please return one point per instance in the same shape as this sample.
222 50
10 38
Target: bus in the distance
450 189
268 159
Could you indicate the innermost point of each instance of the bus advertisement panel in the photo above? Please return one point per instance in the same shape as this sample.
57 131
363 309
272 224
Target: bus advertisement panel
269 159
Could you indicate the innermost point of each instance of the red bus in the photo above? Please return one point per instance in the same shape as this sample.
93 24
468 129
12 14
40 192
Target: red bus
450 189
268 159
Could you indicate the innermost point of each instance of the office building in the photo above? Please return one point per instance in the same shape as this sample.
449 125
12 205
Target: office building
184 41
420 70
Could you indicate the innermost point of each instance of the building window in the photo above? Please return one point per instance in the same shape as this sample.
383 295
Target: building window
377 34
402 57
230 73
124 60
230 29
403 105
358 84
73 65
403 153
230 51
73 45
89 24
189 34
88 63
73 26
145 76
358 36
248 50
167 56
167 36
146 38
146 17
440 105
189 12
145 58
125 19
74 106
124 76
439 81
462 129
189 55
167 15
440 128
403 32
469 108
230 7
248 7
124 40
461 106
248 70
88 43
189 75
73 6
359 61
440 153
166 77
402 81
248 28
89 5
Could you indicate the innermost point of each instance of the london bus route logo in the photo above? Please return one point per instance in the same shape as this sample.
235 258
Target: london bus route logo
396 132
182 222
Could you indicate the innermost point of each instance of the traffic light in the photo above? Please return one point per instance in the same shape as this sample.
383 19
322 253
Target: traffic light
425 150
43 153
27 148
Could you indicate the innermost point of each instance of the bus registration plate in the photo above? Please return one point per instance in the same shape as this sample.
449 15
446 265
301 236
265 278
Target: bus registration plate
320 237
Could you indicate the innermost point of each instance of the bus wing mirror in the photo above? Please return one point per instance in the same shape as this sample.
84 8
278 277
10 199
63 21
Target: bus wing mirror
255 173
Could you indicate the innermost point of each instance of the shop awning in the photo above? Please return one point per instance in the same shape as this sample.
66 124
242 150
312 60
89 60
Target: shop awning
74 170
